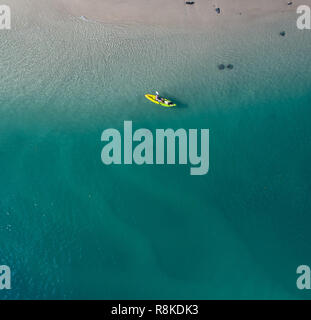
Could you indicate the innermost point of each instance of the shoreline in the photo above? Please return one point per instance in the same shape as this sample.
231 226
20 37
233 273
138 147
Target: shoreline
175 12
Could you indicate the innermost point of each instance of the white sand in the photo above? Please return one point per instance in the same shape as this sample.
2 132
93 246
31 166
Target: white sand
156 12
174 12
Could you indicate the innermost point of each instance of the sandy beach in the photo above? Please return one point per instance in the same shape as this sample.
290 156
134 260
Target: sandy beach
174 12
203 13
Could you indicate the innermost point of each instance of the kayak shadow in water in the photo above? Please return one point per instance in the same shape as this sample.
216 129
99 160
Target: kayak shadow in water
179 104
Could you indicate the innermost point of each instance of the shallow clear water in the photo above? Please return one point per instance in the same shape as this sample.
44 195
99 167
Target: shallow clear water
71 227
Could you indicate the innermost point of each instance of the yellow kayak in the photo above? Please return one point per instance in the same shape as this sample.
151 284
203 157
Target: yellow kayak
165 102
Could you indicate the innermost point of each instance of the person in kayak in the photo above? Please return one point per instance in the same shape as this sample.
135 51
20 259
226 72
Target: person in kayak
157 97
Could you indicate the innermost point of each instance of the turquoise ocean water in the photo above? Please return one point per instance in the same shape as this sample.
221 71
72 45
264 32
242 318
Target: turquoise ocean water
71 227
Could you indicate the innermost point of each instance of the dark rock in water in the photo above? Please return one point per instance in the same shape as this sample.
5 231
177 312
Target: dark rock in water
283 33
230 66
221 66
217 10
